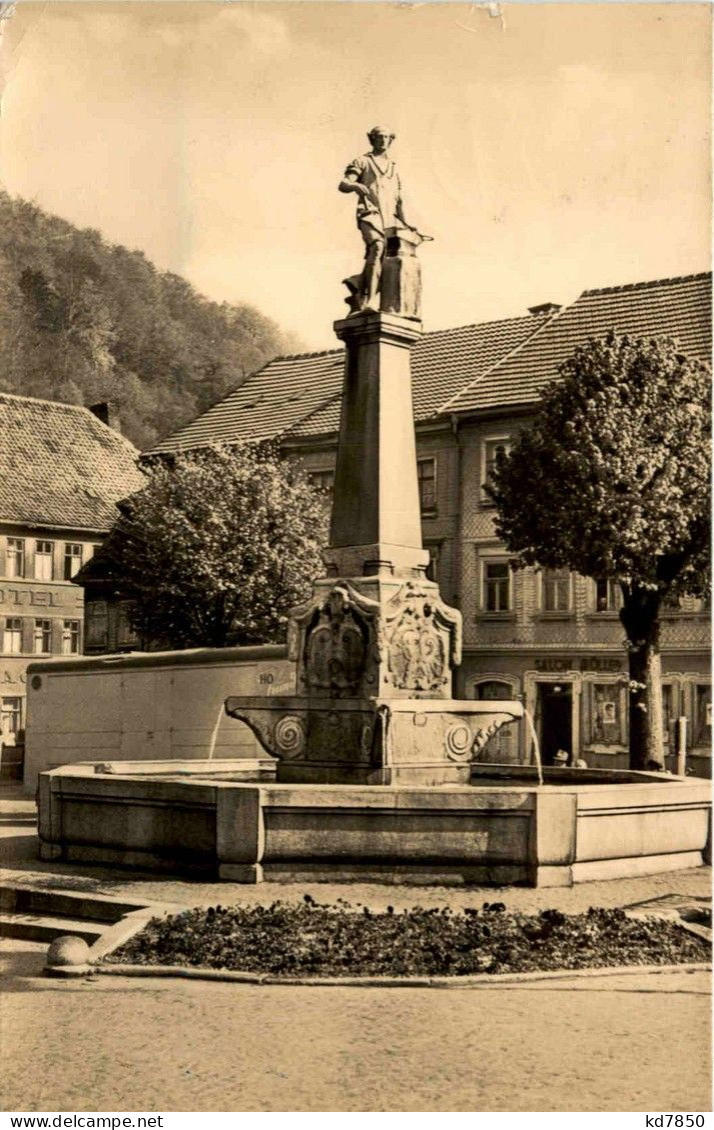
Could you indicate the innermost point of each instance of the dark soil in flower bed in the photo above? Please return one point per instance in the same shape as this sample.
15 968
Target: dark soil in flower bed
340 940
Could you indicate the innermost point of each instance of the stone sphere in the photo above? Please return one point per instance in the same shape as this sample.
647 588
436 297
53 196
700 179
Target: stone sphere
68 950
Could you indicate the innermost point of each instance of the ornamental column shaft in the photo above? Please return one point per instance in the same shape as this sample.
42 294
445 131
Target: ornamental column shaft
376 521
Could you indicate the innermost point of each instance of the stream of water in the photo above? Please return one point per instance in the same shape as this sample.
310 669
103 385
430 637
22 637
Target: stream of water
535 746
214 734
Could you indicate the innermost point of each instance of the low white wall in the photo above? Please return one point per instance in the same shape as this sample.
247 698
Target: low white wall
145 706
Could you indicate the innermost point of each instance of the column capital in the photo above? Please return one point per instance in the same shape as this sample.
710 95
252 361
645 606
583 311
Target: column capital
370 326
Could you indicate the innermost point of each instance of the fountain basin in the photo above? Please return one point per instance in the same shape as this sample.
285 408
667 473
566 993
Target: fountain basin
604 825
384 741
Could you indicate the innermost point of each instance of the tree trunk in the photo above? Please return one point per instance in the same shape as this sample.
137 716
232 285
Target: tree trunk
640 618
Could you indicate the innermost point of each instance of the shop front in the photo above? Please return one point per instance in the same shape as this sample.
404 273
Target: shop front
579 706
12 716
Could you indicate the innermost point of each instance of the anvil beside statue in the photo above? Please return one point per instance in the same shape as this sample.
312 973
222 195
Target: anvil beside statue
400 279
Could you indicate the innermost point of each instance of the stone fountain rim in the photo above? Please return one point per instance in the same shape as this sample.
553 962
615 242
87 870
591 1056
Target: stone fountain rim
198 773
395 705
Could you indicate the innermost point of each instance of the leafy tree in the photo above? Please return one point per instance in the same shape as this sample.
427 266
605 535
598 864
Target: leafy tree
218 547
613 481
82 320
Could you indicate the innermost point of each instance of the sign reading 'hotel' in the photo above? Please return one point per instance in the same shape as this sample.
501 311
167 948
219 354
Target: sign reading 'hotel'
41 598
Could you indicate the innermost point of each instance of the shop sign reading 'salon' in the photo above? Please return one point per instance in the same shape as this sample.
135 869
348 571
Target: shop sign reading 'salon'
600 663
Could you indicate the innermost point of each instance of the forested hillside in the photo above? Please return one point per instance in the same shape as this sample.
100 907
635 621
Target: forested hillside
82 320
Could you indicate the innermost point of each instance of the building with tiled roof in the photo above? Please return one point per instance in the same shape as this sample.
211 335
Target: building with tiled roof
468 369
555 639
62 471
300 395
678 308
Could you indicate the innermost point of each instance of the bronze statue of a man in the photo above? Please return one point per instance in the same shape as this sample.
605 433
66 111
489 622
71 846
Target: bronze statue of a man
375 180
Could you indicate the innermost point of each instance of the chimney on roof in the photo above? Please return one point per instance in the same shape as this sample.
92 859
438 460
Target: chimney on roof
545 309
106 411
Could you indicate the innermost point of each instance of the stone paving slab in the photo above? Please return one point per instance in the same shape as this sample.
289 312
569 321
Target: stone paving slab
572 900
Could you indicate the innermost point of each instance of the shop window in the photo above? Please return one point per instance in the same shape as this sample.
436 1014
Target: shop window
606 715
491 448
503 746
496 580
556 590
97 621
702 720
72 559
12 636
322 480
668 711
15 557
426 476
44 553
10 719
608 595
42 637
70 637
126 634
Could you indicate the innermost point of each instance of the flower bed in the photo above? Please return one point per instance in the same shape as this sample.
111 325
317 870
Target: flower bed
340 940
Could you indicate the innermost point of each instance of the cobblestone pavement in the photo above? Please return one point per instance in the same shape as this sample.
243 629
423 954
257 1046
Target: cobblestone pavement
631 1043
571 900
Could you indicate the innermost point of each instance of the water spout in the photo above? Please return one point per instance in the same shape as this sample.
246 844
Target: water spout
535 745
214 734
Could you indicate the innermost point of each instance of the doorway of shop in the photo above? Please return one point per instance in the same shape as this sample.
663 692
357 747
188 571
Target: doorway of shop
554 720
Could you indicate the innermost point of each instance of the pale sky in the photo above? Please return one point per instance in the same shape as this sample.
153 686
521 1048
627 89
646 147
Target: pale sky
548 148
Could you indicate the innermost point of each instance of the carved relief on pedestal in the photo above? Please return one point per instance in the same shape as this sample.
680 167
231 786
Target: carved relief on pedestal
417 657
290 736
333 642
341 736
458 742
420 639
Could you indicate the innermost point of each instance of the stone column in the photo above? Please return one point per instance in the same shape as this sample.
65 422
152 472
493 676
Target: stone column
376 523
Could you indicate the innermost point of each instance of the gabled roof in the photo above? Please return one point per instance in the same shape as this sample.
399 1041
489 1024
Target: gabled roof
60 466
300 395
678 308
468 369
267 404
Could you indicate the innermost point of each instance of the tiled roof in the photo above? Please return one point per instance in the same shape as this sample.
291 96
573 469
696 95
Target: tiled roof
488 365
60 466
300 395
267 404
678 308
